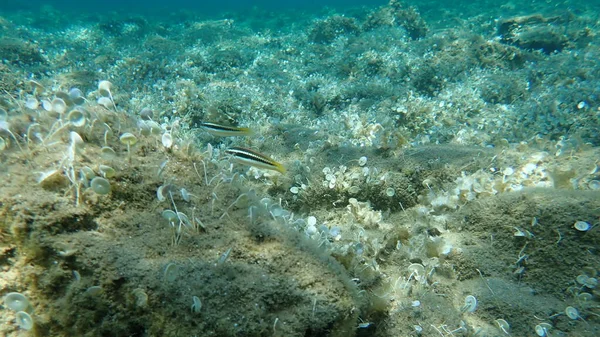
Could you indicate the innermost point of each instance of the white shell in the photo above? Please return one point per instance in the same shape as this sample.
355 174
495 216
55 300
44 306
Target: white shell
24 320
100 185
105 102
167 140
582 226
16 301
59 106
362 161
470 304
542 329
76 118
571 312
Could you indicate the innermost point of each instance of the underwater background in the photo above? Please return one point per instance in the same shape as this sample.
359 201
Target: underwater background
211 7
299 168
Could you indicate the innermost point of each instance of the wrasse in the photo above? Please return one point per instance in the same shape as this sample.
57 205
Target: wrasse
226 131
249 157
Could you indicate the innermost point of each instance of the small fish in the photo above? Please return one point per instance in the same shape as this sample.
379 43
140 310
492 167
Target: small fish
249 157
226 131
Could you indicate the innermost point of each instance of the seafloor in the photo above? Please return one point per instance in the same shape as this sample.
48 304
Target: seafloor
434 155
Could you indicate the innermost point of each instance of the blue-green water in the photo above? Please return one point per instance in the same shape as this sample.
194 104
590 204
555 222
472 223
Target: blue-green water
175 5
299 168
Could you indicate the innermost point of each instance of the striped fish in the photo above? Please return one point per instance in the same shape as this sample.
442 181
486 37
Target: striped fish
225 131
249 157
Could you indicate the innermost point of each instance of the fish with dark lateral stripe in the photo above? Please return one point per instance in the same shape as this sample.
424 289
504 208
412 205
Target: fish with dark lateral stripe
225 130
252 158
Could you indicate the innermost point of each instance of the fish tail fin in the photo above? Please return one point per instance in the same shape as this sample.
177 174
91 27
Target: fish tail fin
279 167
246 131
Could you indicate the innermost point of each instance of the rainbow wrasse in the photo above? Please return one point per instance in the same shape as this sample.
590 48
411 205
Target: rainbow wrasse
252 158
225 130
